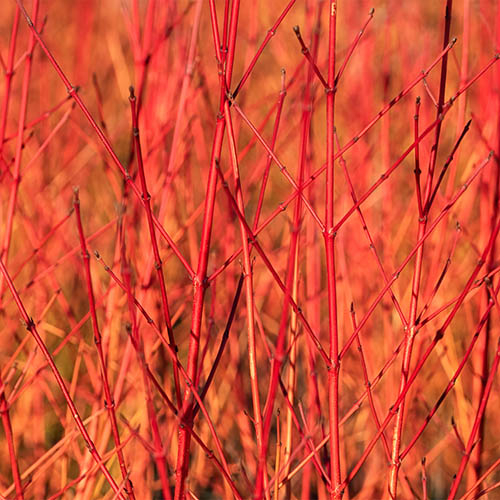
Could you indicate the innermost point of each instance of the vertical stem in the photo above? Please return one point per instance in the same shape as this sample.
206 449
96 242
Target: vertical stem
333 373
279 357
482 358
422 226
252 350
278 457
464 75
199 285
138 344
200 278
313 268
306 118
108 401
146 198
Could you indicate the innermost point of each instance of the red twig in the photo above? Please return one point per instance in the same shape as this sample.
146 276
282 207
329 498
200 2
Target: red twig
108 398
329 235
200 278
309 57
146 198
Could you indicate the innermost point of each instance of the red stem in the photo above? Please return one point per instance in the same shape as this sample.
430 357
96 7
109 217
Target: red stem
309 57
329 235
138 345
108 399
146 198
353 46
417 170
422 223
249 293
200 278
